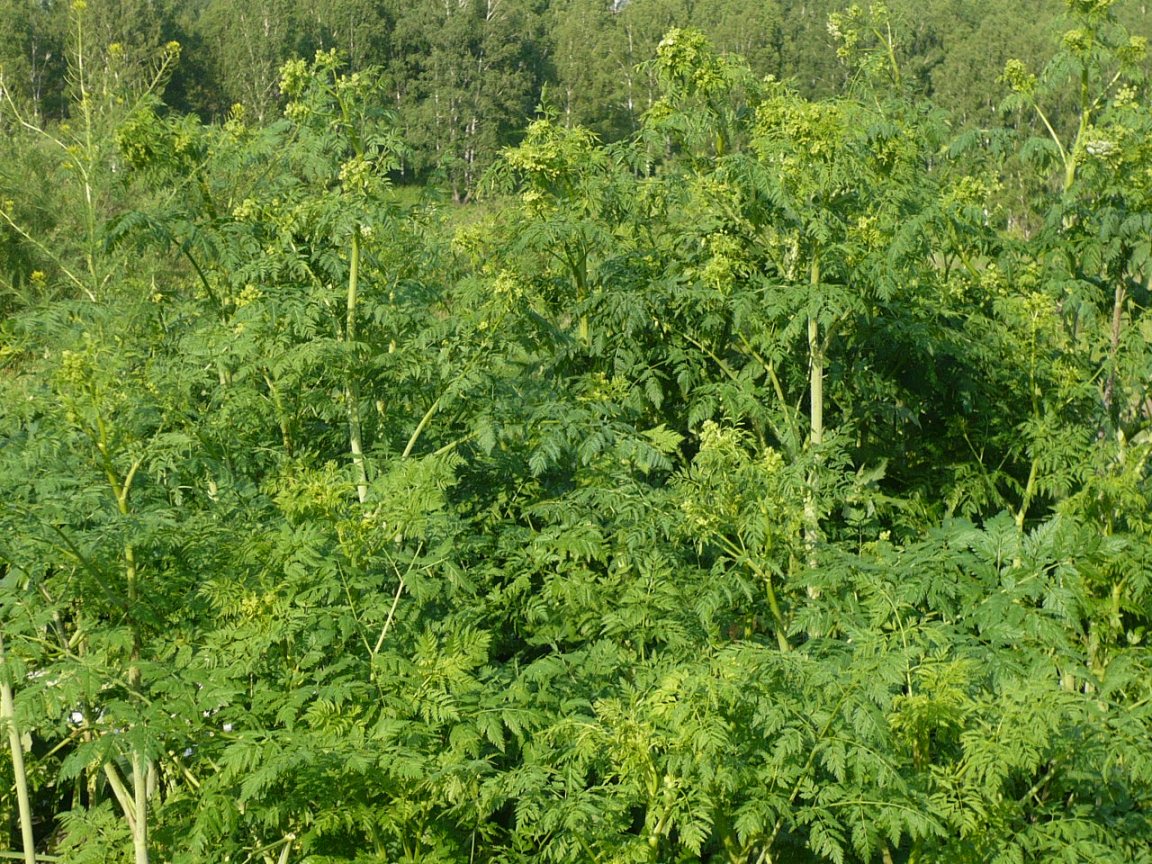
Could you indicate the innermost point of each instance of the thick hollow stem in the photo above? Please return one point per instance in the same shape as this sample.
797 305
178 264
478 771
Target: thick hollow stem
136 808
120 791
816 431
140 796
352 387
8 718
139 765
1029 492
816 382
1118 301
1081 131
815 360
816 414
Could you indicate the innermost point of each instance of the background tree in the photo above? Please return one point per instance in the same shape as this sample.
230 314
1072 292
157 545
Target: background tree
32 56
592 66
473 71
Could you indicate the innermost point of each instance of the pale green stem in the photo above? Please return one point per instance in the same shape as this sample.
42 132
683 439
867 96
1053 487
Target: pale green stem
286 840
1085 121
816 382
48 253
793 443
1118 300
1029 491
391 617
816 412
777 616
816 361
890 43
1034 391
8 718
1069 165
740 553
120 791
89 158
421 426
138 815
352 388
140 794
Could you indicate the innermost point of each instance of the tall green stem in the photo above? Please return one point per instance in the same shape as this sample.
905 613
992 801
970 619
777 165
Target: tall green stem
1029 492
1118 300
140 765
91 240
140 795
137 814
8 718
890 44
816 382
1082 130
816 409
352 387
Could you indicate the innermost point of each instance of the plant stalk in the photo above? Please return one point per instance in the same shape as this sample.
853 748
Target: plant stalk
352 387
120 792
816 363
140 796
1114 344
8 718
1029 491
136 808
816 413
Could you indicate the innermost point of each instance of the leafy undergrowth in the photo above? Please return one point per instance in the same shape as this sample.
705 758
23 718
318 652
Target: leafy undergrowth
751 491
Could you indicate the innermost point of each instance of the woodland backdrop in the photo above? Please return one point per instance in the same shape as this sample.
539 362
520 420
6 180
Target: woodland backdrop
462 78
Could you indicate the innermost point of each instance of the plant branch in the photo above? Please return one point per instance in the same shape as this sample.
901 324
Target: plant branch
419 430
778 389
127 804
740 553
72 277
395 603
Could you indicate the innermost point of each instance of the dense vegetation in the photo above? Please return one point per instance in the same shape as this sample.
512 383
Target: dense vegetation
759 474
